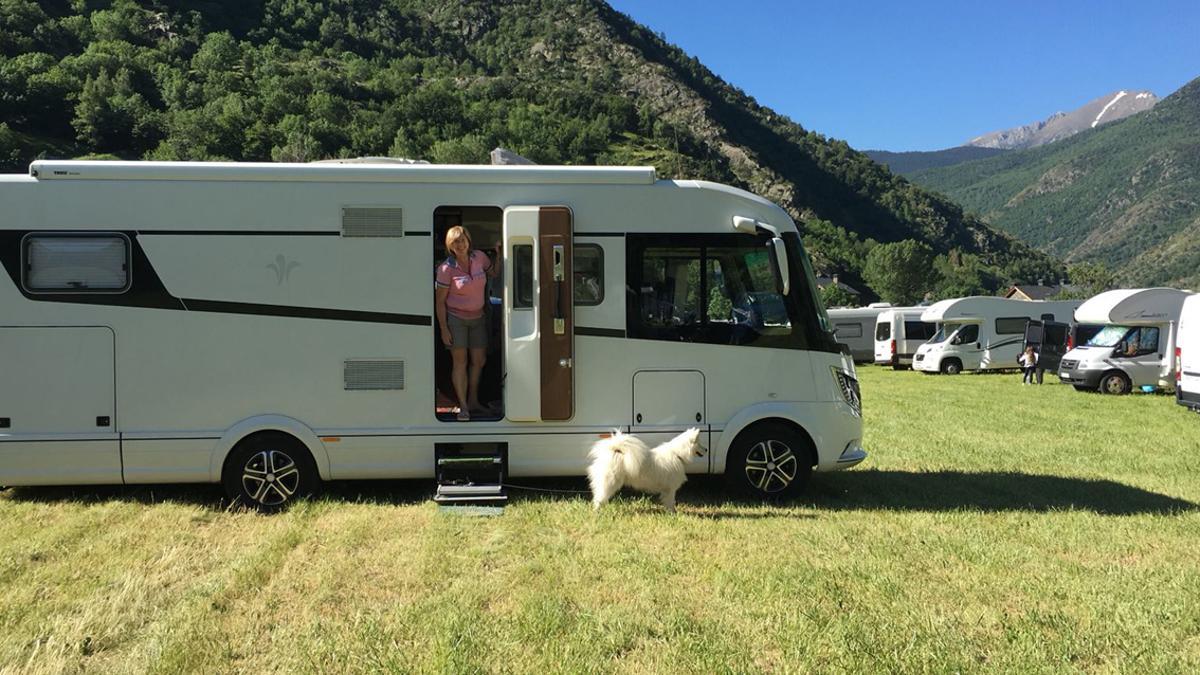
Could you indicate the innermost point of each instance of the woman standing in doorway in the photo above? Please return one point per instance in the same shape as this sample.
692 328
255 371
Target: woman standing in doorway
459 298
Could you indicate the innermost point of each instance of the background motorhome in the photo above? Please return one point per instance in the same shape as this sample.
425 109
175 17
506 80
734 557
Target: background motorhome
1136 347
982 333
268 326
1187 354
898 334
855 326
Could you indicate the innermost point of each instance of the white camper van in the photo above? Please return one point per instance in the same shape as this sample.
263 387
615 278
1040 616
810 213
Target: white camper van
1136 347
855 327
982 333
270 326
898 334
1187 354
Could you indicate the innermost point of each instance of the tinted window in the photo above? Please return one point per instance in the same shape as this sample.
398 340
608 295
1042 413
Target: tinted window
847 330
716 289
1056 333
1014 325
883 331
969 333
589 274
523 276
919 330
76 263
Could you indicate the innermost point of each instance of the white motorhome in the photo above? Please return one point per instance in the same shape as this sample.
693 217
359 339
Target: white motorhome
271 326
1136 347
1187 354
982 333
898 333
854 327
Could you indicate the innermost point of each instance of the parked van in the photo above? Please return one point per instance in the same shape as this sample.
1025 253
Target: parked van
898 333
271 326
1136 347
1187 354
982 333
855 327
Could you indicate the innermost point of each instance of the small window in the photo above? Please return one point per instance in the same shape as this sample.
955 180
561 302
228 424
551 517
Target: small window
1011 325
883 331
967 334
847 330
523 276
1047 317
589 274
76 263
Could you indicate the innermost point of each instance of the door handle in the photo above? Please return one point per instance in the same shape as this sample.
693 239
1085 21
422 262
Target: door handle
560 322
565 363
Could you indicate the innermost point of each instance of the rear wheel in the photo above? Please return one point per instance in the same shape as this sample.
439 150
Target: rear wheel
769 461
951 366
1115 383
269 471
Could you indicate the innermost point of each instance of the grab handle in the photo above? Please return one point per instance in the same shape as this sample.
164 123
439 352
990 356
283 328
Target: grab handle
560 322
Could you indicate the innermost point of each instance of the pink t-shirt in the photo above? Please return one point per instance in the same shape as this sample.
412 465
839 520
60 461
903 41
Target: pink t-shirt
467 287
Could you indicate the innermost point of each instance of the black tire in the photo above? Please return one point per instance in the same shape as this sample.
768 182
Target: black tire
769 461
951 366
897 366
269 471
1115 383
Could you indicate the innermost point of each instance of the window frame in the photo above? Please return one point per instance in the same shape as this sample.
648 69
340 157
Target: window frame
29 238
855 324
1023 319
575 267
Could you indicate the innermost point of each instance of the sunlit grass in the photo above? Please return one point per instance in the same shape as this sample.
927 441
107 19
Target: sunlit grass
994 526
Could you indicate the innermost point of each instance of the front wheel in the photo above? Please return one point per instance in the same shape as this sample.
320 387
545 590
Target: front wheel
769 461
1115 383
951 366
269 471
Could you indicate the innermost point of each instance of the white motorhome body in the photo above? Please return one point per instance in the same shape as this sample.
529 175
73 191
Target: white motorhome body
898 333
855 327
982 333
1136 347
1187 354
155 316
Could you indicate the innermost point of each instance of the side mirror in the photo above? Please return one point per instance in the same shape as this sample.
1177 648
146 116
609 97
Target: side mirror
779 265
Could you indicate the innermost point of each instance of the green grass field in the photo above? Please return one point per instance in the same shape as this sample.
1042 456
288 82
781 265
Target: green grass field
994 527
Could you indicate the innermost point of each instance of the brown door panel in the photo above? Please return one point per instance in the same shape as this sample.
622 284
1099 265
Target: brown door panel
557 313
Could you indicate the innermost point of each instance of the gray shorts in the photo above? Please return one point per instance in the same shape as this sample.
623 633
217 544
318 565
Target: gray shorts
467 333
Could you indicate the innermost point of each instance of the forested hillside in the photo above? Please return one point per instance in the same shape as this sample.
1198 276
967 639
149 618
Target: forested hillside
1126 194
559 81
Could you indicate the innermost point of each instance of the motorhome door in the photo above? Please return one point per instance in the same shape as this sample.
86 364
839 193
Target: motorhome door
539 344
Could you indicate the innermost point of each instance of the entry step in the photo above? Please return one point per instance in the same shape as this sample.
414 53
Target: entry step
470 473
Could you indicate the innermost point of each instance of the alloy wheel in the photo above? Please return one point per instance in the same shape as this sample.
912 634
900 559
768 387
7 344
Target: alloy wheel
771 466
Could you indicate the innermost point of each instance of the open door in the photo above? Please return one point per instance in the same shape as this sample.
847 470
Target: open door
539 333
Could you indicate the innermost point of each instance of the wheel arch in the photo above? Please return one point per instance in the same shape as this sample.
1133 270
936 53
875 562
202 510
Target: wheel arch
1114 371
254 425
787 414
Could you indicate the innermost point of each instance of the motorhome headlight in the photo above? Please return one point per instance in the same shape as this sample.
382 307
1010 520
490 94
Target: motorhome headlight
849 388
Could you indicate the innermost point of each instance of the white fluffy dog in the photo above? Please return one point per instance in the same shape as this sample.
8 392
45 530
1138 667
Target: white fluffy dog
621 460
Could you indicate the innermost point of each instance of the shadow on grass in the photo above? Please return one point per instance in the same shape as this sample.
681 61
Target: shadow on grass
852 490
983 491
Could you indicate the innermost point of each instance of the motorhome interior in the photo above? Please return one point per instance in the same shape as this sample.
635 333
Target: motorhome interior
1135 349
854 327
1187 354
898 333
270 326
982 333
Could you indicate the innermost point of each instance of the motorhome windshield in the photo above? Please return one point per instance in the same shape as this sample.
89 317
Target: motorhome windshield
944 331
1108 336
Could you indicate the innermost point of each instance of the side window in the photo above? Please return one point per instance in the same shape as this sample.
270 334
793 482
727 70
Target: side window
918 330
589 274
1148 343
847 330
523 276
883 331
968 334
1013 325
716 289
76 263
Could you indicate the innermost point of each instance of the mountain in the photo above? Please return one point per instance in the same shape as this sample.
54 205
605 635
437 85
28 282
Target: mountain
1060 125
907 163
1125 193
557 81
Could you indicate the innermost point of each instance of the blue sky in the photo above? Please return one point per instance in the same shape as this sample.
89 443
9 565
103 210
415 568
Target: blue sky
924 75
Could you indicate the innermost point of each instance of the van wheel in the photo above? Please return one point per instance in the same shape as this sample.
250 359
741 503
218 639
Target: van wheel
951 366
769 461
269 471
1115 383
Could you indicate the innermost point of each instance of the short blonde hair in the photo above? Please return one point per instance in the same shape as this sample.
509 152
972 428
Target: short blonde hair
454 234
